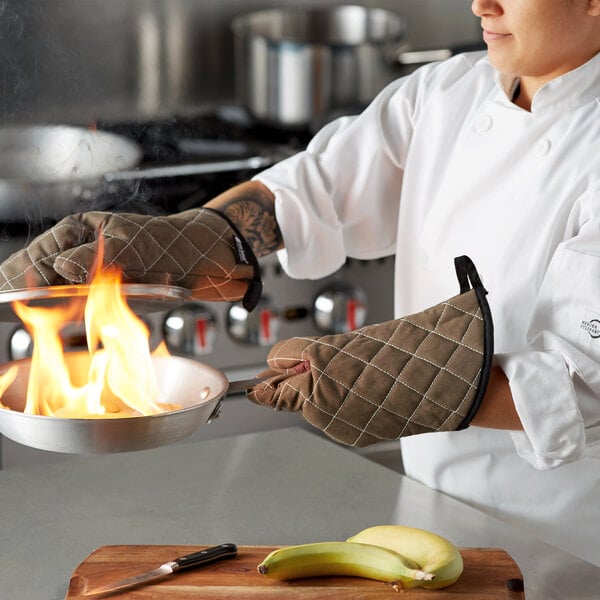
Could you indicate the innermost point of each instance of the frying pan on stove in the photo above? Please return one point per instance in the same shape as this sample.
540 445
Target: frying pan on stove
48 172
198 388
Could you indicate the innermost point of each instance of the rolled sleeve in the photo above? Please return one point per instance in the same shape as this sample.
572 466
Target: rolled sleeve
312 233
544 396
555 383
341 196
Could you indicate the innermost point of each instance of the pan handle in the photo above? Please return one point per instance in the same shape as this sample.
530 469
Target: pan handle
253 162
243 385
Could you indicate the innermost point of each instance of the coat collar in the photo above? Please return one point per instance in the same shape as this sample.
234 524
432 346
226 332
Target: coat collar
566 92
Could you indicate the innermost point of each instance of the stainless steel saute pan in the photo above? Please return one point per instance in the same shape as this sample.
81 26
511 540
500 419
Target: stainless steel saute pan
49 172
198 388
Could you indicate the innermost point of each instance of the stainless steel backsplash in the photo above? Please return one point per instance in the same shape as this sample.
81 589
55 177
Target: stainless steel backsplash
75 61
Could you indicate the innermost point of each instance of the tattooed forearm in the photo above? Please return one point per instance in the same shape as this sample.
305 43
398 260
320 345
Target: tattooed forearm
257 225
251 206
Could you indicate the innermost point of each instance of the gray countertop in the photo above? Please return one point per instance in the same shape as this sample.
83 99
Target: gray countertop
287 486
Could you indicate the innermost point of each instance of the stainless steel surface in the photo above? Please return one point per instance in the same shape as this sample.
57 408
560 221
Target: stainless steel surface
142 298
259 327
340 308
68 61
196 387
53 171
191 330
294 66
278 487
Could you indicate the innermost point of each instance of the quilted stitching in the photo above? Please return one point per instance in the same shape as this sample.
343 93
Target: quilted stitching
381 382
194 249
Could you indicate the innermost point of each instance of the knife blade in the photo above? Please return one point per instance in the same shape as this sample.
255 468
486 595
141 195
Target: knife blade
189 561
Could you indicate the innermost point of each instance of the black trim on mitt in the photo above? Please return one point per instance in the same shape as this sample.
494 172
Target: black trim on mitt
468 278
245 255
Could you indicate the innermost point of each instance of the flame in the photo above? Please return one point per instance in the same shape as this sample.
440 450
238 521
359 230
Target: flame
6 380
121 379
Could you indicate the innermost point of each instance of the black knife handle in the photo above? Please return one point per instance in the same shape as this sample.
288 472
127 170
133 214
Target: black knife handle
203 557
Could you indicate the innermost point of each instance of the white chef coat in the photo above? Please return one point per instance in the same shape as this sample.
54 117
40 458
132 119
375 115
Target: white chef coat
443 164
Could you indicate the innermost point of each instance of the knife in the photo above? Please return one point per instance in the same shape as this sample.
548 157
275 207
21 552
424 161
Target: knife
189 561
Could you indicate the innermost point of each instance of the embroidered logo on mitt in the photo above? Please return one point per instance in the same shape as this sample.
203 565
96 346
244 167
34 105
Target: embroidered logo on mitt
241 253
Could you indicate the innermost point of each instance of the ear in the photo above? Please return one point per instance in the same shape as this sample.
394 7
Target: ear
593 8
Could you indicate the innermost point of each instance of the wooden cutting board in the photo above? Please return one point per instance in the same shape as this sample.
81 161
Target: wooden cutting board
489 573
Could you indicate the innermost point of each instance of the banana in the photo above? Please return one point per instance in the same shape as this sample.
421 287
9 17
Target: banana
431 552
340 558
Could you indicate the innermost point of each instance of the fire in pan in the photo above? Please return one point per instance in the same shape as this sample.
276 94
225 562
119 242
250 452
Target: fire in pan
116 397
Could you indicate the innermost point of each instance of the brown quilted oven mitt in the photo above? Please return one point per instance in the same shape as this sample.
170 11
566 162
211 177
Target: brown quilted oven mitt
425 372
198 249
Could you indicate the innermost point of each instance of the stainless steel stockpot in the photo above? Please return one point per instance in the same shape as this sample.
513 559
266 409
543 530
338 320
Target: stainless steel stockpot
295 65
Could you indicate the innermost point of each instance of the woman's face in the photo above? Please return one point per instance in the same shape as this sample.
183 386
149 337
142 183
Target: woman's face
539 39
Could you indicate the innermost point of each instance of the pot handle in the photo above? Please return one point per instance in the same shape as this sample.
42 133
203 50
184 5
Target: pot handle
253 162
406 56
416 57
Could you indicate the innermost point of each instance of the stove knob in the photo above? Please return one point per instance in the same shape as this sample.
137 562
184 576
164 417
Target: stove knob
21 344
340 308
257 328
190 330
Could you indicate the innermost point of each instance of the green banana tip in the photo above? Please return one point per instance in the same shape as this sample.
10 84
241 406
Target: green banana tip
262 569
423 575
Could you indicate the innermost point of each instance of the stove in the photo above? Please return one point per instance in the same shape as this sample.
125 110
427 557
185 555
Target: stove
186 162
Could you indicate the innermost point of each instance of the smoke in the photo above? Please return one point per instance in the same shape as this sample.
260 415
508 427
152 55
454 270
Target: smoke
13 83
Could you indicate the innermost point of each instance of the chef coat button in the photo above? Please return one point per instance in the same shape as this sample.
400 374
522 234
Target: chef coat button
483 123
543 147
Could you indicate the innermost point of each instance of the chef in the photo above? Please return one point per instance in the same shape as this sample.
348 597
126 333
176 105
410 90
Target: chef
492 159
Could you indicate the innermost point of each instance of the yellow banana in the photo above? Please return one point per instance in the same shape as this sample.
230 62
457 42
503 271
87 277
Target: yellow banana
340 558
431 552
